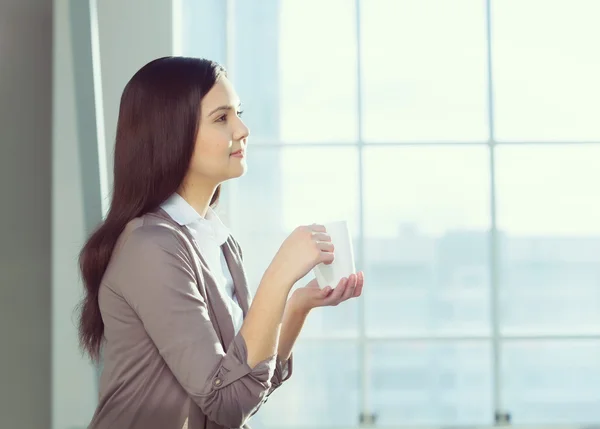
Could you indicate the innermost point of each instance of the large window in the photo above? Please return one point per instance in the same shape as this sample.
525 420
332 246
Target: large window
461 140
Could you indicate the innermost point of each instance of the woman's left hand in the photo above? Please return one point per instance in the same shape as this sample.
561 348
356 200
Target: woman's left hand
311 296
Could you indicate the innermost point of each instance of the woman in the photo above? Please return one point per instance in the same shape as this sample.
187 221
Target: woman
166 295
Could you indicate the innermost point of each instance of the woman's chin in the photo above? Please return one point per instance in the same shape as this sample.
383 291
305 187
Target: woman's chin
238 171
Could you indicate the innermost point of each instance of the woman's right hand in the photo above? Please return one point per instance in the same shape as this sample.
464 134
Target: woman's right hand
305 248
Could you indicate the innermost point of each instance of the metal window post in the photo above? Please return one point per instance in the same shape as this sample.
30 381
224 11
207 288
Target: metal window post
366 417
501 417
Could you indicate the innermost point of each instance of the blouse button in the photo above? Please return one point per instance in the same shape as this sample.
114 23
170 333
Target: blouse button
218 382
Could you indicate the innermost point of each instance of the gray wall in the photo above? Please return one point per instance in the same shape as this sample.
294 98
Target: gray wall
73 378
130 34
25 221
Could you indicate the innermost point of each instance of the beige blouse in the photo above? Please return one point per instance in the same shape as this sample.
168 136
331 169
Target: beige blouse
171 356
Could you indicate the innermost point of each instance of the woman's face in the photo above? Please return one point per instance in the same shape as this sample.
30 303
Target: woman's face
220 151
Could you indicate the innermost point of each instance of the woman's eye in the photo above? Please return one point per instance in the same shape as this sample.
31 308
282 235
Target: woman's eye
223 118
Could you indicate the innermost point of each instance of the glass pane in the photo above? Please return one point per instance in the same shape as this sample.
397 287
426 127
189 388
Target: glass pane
323 392
433 384
296 63
290 186
552 382
548 211
254 70
202 28
546 68
426 245
424 70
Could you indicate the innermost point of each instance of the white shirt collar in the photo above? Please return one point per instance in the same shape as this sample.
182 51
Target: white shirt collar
185 215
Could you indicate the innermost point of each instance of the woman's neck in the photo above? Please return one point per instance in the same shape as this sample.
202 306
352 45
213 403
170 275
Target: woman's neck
198 196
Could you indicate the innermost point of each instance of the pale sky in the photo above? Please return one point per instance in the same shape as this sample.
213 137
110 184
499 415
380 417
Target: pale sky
425 79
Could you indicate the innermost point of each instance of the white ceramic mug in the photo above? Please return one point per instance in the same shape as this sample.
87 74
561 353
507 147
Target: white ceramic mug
343 264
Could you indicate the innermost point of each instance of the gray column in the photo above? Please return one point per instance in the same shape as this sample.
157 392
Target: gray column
25 212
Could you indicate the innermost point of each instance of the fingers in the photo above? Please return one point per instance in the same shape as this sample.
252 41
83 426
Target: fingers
359 284
326 252
347 288
317 228
350 287
321 236
326 291
336 295
325 246
326 257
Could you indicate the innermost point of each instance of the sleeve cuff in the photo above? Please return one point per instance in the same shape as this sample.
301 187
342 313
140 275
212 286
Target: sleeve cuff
235 366
283 371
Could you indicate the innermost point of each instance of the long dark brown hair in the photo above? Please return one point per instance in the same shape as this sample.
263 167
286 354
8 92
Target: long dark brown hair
156 131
